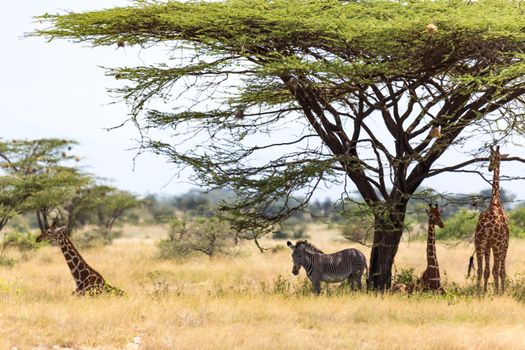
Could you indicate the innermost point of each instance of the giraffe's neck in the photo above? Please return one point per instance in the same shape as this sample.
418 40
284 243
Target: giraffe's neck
495 200
431 246
432 271
74 260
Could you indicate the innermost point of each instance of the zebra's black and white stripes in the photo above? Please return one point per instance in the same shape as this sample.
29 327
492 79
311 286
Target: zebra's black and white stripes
346 264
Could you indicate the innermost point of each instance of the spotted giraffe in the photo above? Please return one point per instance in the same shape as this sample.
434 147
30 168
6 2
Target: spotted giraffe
492 232
87 279
430 280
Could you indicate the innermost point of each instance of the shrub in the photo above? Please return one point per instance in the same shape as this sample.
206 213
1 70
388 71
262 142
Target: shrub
460 225
517 222
208 236
21 240
517 288
406 276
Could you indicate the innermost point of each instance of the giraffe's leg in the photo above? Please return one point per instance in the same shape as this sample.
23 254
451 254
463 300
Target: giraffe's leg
479 259
502 270
486 272
496 268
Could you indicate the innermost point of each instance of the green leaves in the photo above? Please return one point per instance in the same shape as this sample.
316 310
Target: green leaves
33 175
237 71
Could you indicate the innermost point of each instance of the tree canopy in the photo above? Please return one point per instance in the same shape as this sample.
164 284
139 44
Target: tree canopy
33 176
369 92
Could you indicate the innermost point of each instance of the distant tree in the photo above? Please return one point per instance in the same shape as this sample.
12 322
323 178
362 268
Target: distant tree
12 197
374 91
507 198
35 177
327 206
110 205
194 201
81 206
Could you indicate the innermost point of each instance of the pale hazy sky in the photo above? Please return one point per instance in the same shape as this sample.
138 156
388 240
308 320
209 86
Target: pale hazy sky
58 89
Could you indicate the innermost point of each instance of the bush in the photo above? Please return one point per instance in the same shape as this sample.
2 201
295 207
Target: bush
23 241
208 236
517 222
460 225
517 288
406 276
463 224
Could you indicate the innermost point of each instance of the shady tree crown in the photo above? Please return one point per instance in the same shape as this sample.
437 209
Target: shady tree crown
371 92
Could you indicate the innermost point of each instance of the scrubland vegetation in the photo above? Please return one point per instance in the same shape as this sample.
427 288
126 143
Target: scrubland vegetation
249 300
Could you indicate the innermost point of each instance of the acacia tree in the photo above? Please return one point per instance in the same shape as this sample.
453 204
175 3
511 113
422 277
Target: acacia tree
110 204
33 177
372 92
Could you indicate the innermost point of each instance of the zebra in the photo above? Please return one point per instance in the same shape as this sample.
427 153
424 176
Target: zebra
346 264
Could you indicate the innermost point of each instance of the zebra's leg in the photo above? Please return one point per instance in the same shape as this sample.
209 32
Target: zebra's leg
358 279
351 281
317 286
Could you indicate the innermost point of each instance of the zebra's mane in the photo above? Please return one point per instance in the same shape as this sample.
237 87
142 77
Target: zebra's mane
309 247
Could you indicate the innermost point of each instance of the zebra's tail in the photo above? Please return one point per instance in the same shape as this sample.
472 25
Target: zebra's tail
470 264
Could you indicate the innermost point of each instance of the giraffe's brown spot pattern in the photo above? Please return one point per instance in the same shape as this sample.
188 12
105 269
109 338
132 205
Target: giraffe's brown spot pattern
88 280
492 232
430 279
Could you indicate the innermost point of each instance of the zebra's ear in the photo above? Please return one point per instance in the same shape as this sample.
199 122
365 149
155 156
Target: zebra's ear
290 244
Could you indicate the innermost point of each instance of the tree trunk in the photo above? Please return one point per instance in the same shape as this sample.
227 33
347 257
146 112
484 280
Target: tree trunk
388 229
42 223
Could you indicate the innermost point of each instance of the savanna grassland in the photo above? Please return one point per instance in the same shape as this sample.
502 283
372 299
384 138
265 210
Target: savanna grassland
246 301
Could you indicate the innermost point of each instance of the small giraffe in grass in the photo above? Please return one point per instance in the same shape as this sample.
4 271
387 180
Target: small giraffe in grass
430 279
492 232
88 280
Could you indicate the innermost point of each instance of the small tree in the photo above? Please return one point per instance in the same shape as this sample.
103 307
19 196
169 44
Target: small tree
34 177
12 197
110 205
81 206
209 236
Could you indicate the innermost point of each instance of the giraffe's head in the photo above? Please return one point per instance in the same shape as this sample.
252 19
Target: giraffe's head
53 233
297 255
434 215
495 158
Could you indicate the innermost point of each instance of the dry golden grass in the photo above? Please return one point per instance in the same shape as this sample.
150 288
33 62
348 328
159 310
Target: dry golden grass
230 303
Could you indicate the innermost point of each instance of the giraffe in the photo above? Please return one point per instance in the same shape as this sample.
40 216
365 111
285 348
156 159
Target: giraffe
87 279
430 279
492 232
